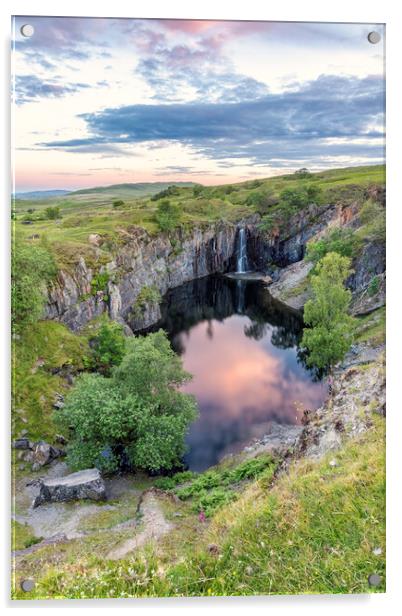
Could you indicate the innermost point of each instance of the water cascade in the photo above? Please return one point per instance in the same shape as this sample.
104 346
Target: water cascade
242 263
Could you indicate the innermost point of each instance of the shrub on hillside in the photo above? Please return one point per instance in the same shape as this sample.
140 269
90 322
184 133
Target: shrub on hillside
137 417
32 267
344 242
291 201
167 215
108 347
52 213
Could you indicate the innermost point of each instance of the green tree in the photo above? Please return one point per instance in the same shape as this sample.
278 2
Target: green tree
52 213
138 415
118 203
303 173
331 327
108 347
32 267
167 215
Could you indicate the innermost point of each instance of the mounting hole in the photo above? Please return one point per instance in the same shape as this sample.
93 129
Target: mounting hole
27 30
374 579
374 37
27 585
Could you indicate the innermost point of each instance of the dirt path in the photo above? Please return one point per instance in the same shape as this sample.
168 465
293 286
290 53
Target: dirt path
153 526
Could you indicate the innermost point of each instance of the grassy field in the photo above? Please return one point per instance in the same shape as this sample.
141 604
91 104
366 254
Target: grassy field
319 529
92 211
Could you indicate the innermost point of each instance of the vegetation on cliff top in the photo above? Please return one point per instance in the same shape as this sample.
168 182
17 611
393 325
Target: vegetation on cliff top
92 212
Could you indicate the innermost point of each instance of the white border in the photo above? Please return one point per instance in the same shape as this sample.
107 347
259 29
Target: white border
291 10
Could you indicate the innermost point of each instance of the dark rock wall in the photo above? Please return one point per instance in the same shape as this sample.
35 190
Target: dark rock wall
166 263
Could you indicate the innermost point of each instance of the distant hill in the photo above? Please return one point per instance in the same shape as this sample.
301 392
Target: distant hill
40 194
134 189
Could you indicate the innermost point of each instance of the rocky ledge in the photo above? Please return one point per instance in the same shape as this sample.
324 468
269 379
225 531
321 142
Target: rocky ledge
358 392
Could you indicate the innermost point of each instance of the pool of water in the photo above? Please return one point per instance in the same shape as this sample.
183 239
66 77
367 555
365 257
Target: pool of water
241 346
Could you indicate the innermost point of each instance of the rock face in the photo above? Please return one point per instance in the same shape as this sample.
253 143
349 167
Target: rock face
279 438
293 286
143 261
143 318
358 392
86 484
281 248
166 262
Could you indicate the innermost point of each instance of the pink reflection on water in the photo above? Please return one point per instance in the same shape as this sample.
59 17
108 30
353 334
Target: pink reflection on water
243 379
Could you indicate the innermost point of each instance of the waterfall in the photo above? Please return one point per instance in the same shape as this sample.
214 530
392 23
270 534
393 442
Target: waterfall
242 263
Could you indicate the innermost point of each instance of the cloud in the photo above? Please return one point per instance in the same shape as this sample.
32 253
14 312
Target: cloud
29 88
329 116
182 170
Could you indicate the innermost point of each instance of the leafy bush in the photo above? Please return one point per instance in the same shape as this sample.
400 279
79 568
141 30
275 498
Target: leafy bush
108 347
167 215
214 488
331 327
249 469
137 417
52 213
168 483
344 242
32 267
170 191
99 282
165 483
209 502
261 200
118 203
303 173
291 200
300 197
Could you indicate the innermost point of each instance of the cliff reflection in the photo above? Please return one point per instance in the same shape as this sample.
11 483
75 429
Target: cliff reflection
241 346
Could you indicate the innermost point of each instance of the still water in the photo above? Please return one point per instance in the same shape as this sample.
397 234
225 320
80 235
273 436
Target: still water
241 346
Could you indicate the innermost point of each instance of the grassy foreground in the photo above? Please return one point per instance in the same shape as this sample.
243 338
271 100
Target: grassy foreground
317 530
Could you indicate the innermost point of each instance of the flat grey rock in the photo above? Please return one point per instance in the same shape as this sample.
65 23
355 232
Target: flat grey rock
87 484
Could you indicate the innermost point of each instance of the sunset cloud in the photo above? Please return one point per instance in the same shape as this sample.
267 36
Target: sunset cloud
226 99
274 126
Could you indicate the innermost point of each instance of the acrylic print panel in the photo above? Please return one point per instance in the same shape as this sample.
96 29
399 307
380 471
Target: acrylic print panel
198 308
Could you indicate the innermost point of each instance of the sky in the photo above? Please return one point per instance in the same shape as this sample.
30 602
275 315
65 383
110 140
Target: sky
106 101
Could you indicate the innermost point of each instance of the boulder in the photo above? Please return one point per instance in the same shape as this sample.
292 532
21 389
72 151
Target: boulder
87 484
42 453
95 239
22 443
58 401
